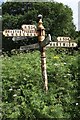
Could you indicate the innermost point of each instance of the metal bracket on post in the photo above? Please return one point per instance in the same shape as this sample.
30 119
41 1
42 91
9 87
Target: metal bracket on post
41 37
46 41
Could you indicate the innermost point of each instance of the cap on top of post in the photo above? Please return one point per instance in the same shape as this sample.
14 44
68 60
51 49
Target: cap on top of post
40 16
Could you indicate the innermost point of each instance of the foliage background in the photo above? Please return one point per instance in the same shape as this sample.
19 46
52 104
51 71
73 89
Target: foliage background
57 20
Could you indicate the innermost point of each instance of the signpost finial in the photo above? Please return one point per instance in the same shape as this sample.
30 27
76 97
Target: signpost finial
39 19
40 16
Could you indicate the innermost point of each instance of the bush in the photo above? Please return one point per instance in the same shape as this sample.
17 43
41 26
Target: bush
23 94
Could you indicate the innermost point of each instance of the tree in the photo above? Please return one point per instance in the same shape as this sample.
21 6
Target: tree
57 18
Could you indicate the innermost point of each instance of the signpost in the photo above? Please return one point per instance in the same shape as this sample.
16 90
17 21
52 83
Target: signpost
39 32
31 31
28 47
29 28
17 32
19 38
50 45
41 37
47 42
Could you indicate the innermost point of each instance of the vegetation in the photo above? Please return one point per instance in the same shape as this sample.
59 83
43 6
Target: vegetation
57 20
23 94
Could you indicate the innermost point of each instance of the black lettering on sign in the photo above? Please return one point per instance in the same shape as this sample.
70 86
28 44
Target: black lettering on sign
63 44
72 44
27 34
56 44
50 44
28 27
53 44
